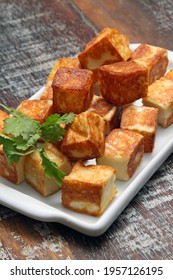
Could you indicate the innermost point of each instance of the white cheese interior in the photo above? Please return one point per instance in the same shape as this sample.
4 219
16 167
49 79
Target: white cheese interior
164 113
79 205
95 63
141 128
108 193
118 163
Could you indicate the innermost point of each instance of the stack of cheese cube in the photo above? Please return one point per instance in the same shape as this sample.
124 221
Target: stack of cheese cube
99 87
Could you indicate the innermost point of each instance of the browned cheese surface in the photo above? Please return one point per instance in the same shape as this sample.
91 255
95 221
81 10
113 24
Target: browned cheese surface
34 34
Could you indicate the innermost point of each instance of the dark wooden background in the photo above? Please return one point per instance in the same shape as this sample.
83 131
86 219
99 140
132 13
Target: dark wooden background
33 34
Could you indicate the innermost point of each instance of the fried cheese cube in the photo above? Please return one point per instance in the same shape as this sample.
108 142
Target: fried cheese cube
73 90
160 95
154 58
107 47
70 62
37 110
34 171
124 150
106 110
123 82
85 137
89 189
142 120
15 172
3 116
169 75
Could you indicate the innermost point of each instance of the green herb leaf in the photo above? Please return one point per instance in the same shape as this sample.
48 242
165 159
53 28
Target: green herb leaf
25 133
53 134
23 130
66 118
51 168
21 126
50 121
52 129
11 152
24 144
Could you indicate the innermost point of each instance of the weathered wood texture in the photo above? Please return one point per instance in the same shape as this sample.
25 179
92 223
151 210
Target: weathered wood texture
148 21
33 35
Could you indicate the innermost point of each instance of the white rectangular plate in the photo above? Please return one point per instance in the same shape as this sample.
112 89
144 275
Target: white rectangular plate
24 199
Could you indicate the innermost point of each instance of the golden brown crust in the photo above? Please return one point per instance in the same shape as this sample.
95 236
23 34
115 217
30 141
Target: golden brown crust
69 79
124 68
149 140
84 188
144 116
121 142
123 82
106 110
124 150
102 34
142 120
84 192
161 91
169 75
8 173
70 62
80 173
3 116
73 90
48 92
84 138
35 174
135 158
154 58
37 110
107 47
101 106
14 173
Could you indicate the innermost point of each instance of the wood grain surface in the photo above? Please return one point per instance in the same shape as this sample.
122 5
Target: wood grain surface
148 21
33 34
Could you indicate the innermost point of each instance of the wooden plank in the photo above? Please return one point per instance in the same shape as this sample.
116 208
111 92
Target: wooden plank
142 21
24 238
34 35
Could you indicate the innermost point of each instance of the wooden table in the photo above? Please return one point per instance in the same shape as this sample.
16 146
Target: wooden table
33 35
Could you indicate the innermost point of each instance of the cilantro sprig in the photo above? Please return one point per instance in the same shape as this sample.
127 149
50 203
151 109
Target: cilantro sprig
51 168
22 134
